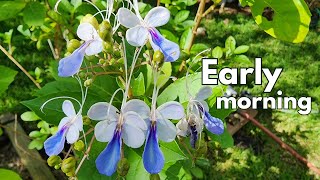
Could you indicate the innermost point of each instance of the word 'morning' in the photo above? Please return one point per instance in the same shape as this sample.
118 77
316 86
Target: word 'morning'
303 103
229 76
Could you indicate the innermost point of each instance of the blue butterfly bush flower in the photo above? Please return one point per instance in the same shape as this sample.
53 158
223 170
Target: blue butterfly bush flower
198 116
92 45
69 128
159 127
142 30
115 126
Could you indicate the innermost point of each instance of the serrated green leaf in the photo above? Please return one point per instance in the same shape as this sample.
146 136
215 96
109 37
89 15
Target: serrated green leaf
9 9
34 14
7 78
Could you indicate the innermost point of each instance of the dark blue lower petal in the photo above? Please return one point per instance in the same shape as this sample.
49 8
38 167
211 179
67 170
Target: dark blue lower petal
214 125
153 159
193 136
170 50
55 144
108 159
70 65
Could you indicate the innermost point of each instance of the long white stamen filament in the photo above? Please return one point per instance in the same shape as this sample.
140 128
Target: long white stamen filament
96 8
56 6
125 59
154 94
192 63
60 97
112 97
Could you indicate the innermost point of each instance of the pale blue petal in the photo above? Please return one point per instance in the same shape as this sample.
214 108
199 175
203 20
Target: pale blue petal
153 159
70 65
214 125
108 159
170 50
55 144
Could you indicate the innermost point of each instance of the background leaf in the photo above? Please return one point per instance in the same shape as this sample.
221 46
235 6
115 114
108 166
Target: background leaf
9 9
34 14
6 80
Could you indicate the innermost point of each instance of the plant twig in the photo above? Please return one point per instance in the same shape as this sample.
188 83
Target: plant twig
158 2
281 143
196 25
209 10
19 66
86 154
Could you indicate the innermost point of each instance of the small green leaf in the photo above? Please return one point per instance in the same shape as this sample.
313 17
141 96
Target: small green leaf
197 172
230 43
29 116
217 52
8 174
242 60
241 49
23 29
181 16
6 80
36 144
138 87
9 9
34 14
1 131
166 70
185 38
35 134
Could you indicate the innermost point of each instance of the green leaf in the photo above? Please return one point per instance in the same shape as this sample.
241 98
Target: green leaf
34 14
165 74
217 52
181 16
7 77
230 43
191 2
225 139
288 23
241 49
1 131
185 38
178 89
138 87
197 172
36 144
9 9
24 30
241 61
35 134
29 116
197 48
8 174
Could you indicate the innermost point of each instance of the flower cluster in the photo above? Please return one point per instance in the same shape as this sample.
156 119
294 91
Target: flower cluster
135 123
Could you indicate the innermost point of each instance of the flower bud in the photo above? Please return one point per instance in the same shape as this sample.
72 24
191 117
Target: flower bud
72 45
54 160
105 31
88 82
123 167
79 145
121 61
154 177
68 165
107 47
82 74
58 166
90 19
86 120
112 61
158 58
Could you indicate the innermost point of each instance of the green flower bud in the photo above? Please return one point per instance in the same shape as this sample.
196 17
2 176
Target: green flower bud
107 47
72 45
88 82
158 57
154 177
79 145
53 160
102 61
82 74
121 61
90 19
112 61
58 166
148 45
68 165
86 120
70 174
105 31
123 167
